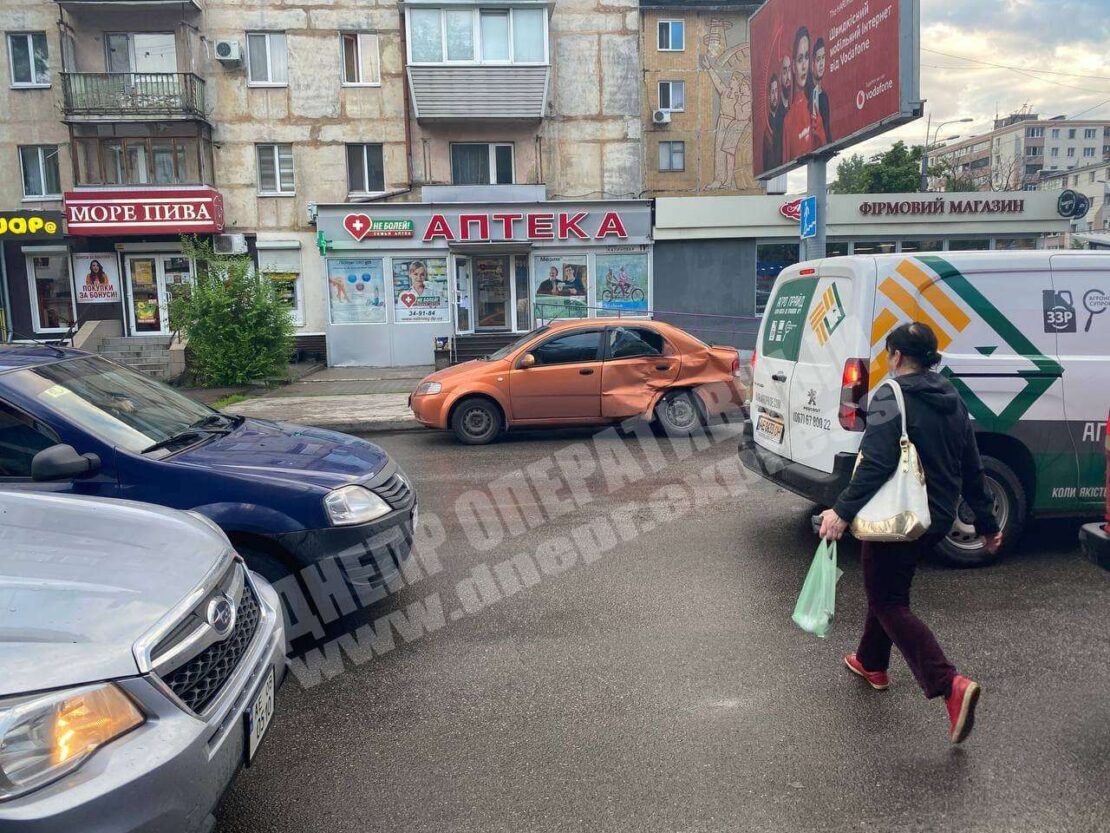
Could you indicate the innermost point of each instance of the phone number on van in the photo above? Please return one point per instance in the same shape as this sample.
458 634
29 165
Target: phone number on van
811 421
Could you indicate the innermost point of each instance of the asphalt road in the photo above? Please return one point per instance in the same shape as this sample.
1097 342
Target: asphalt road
662 686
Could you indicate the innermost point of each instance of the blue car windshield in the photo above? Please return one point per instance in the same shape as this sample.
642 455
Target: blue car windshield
117 405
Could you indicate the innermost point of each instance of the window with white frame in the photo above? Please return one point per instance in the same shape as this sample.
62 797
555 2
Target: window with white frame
672 156
361 65
28 59
275 170
365 169
280 261
52 301
1055 133
1088 153
462 35
1055 152
671 36
672 96
1090 133
475 163
39 166
267 59
1071 152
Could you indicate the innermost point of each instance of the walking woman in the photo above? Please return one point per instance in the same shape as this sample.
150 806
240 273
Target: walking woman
941 430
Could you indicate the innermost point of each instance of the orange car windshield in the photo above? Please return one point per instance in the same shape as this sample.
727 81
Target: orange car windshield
509 348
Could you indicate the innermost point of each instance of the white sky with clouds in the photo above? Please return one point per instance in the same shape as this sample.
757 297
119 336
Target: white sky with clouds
1064 36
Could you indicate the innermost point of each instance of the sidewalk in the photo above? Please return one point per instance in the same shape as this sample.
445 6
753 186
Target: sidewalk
347 399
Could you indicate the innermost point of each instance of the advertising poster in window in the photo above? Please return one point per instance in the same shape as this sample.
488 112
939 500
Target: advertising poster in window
356 291
420 290
561 287
622 281
97 278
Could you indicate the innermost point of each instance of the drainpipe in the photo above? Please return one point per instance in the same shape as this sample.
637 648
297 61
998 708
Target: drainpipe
405 90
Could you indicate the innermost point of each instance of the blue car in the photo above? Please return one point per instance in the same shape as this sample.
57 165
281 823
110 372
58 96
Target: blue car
287 496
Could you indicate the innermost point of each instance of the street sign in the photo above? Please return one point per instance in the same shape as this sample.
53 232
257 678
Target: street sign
808 221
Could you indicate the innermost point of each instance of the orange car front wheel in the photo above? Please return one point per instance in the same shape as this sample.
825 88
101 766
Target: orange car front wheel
476 421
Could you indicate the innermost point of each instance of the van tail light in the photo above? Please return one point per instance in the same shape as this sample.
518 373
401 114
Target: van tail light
853 390
754 352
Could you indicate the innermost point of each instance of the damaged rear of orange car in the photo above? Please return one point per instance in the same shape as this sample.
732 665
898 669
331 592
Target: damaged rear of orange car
586 372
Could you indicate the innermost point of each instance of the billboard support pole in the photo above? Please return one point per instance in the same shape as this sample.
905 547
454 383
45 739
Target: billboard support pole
817 186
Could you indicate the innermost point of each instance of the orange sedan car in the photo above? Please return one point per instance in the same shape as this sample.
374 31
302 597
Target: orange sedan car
585 372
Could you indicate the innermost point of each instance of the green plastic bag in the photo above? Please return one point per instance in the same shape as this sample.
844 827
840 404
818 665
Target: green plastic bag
817 602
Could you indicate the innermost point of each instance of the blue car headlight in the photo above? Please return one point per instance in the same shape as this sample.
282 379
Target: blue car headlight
354 505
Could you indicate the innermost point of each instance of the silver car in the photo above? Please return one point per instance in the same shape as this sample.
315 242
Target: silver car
138 664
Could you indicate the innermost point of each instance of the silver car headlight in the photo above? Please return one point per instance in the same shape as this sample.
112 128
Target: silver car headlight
354 505
46 736
427 389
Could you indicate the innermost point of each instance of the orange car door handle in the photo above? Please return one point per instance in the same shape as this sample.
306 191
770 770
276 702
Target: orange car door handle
662 367
586 371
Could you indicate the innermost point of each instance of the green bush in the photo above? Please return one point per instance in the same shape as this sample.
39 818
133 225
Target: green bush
239 331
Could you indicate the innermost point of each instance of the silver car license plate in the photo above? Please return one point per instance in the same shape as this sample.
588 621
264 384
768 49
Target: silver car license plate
259 715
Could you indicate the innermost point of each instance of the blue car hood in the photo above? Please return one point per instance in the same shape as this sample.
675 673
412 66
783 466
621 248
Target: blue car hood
282 452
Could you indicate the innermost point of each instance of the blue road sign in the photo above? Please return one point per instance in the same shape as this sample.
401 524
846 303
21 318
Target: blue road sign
808 222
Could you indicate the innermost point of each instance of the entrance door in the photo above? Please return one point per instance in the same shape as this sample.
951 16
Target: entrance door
492 278
464 320
151 282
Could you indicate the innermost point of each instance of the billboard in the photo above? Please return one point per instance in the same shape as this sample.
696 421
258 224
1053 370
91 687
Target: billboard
828 74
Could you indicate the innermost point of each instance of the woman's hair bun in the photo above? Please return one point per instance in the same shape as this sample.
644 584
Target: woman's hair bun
917 342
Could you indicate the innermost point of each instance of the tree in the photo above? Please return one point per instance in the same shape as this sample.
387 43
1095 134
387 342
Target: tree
239 330
944 176
894 172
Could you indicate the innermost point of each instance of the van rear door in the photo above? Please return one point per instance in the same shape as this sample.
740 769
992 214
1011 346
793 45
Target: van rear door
828 390
777 349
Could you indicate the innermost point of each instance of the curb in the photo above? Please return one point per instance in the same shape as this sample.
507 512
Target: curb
379 426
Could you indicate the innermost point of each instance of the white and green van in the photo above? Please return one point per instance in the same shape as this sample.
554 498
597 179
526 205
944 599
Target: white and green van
1025 338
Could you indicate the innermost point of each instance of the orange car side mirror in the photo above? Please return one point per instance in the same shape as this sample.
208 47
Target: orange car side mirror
527 361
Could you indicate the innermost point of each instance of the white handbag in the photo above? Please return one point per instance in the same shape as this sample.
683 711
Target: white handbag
899 511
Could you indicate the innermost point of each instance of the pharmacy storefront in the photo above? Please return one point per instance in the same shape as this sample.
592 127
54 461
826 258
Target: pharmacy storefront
401 275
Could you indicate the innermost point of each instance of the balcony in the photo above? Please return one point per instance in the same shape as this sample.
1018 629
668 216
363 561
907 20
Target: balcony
476 93
132 96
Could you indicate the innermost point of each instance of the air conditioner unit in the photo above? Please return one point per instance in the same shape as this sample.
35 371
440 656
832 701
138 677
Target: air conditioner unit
230 244
228 52
661 117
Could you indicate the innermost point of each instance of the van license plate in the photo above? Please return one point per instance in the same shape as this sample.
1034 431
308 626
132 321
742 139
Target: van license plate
770 429
259 715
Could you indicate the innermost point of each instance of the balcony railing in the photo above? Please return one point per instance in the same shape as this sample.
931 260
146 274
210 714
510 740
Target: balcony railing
133 94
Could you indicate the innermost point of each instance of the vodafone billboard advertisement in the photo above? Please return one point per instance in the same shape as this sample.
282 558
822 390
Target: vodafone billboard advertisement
827 74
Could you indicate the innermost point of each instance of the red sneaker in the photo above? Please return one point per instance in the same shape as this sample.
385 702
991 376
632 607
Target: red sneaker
876 679
961 708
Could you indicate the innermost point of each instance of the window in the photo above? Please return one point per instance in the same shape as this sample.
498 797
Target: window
1090 133
468 35
672 156
281 262
770 260
672 36
495 36
1071 152
365 169
569 349
39 164
1055 133
267 59
969 245
1091 176
51 291
481 164
136 161
1055 152
1034 132
672 96
21 438
1088 153
275 170
28 59
361 66
1071 133
1075 180
634 342
1033 151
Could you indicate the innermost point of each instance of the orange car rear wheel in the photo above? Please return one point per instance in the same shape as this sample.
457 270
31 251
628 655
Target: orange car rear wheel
678 413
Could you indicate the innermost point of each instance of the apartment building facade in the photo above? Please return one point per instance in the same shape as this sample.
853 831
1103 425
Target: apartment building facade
697 98
1023 149
238 120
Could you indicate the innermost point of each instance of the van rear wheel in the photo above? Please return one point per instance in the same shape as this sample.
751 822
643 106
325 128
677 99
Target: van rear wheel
962 547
